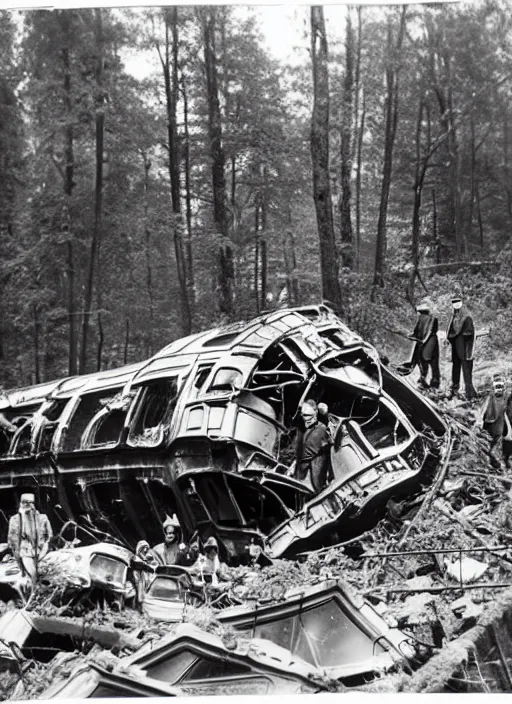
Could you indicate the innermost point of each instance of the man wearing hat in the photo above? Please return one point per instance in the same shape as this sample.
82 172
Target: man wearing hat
460 334
210 565
493 414
312 449
168 551
29 535
426 351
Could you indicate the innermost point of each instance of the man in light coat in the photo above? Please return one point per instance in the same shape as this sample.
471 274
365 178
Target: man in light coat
29 536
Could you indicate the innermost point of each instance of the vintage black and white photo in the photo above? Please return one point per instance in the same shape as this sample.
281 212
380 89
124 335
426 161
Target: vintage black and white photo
255 333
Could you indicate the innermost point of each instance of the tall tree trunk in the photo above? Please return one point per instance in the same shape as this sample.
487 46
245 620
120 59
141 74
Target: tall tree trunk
147 236
226 268
188 195
98 189
257 255
358 181
263 241
391 119
461 244
293 291
479 216
421 168
331 289
506 163
435 228
68 191
472 180
37 335
170 70
347 249
126 341
358 141
101 340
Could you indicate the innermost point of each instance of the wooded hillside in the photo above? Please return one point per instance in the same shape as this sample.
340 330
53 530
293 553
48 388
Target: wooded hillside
134 211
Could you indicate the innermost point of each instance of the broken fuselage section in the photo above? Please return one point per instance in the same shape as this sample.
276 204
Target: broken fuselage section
205 429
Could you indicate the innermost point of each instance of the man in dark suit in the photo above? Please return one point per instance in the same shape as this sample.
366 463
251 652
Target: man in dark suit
426 351
460 334
312 450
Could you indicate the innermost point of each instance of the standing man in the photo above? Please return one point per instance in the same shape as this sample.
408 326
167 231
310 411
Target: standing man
312 448
168 551
426 351
29 536
461 336
493 413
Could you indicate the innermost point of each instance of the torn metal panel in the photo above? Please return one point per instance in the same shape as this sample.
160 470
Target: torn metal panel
328 628
200 663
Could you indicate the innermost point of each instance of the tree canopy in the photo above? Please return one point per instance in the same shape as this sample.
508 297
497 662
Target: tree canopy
227 181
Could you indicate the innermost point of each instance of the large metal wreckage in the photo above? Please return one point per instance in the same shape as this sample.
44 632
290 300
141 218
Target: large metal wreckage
204 430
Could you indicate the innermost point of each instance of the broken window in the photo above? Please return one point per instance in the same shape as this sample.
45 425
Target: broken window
107 570
107 425
324 635
201 376
155 406
166 588
227 379
218 500
206 668
279 380
51 415
260 510
22 441
171 667
108 691
88 406
194 503
383 430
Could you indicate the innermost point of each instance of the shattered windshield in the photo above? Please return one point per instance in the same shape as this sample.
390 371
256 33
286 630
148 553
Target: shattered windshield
165 588
106 569
324 635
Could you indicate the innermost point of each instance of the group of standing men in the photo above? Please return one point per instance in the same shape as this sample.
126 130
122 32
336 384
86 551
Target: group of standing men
460 334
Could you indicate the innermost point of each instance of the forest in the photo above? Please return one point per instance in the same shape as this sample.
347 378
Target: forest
371 171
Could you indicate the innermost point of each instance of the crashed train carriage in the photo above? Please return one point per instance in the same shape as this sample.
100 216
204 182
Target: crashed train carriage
204 429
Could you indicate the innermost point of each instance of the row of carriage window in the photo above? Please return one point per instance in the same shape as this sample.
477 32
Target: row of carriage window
104 418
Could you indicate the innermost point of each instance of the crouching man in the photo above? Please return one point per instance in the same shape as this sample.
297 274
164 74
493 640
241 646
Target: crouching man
29 536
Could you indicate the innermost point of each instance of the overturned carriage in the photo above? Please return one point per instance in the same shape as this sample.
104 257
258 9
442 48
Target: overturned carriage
205 428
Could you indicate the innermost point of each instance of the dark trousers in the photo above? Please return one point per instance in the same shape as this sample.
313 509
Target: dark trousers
507 451
467 372
317 470
434 366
